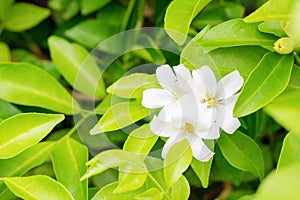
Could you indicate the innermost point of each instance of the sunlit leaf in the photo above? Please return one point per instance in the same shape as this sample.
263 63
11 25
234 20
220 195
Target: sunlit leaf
181 189
150 194
37 187
272 27
88 6
21 131
242 152
26 84
5 52
269 79
202 170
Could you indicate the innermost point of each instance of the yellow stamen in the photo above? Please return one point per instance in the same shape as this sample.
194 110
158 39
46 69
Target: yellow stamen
188 128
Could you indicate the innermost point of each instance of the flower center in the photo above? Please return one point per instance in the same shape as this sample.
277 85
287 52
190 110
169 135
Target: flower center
188 128
210 102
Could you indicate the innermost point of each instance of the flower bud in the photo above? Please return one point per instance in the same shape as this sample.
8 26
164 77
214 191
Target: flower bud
284 45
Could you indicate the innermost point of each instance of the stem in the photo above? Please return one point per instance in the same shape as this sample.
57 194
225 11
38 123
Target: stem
127 15
159 186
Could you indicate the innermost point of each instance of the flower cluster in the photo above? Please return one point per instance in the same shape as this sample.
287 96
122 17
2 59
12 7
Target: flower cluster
194 106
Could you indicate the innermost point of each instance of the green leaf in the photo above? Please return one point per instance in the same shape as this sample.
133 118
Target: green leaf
176 162
7 109
77 67
5 7
202 170
285 109
272 27
91 32
88 6
66 8
270 77
21 131
107 192
281 185
37 187
235 32
289 151
69 158
41 89
181 189
113 158
5 52
150 194
142 136
24 16
133 85
120 115
272 10
242 152
179 16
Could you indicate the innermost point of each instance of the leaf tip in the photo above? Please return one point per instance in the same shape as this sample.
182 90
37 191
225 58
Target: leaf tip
95 130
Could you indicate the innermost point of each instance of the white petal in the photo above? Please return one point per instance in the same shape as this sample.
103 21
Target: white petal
188 107
182 74
212 133
207 117
205 78
163 128
167 79
156 98
170 142
226 120
170 112
200 151
229 85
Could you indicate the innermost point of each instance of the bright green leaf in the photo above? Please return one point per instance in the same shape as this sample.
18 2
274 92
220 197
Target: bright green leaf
142 136
150 194
113 158
24 16
235 32
69 158
26 84
176 162
289 152
242 152
281 185
37 187
133 85
5 7
107 193
285 109
270 77
120 115
88 6
272 27
179 16
273 10
7 109
77 67
202 170
5 52
181 189
21 131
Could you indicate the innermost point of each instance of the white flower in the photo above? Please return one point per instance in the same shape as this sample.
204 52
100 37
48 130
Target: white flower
184 125
173 88
216 100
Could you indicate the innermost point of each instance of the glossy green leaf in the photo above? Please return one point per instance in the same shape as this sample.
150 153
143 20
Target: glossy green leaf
150 194
41 89
181 189
88 6
24 16
5 7
37 187
133 85
24 130
130 179
91 32
272 10
281 185
7 109
272 27
77 67
5 52
285 109
218 13
295 78
69 158
242 152
107 192
270 77
235 32
113 158
176 162
179 16
202 170
142 136
289 152
120 115
66 8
